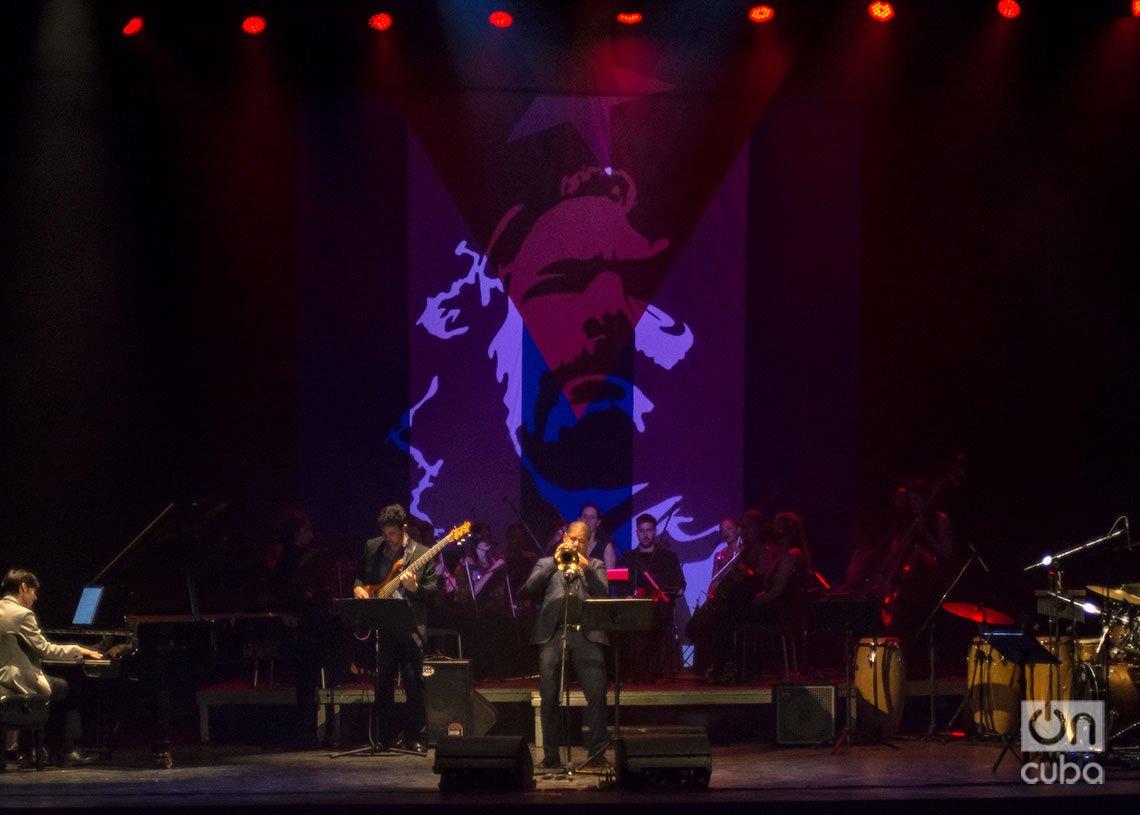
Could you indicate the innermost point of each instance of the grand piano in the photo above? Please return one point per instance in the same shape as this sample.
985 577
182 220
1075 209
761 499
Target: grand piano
161 632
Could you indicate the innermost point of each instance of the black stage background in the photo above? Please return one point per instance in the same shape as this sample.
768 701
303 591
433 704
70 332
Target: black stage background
151 283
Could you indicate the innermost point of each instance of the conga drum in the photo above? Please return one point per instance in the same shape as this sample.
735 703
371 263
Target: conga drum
993 689
1045 682
880 686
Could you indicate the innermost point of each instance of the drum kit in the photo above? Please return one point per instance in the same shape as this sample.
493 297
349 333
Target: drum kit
1096 668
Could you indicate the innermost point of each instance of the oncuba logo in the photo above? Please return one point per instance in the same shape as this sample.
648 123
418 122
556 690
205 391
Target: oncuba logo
1062 726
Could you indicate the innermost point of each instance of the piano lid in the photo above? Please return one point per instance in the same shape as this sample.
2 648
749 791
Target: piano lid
183 561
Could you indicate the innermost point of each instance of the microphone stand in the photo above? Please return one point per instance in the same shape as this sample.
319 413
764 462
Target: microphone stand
928 625
563 685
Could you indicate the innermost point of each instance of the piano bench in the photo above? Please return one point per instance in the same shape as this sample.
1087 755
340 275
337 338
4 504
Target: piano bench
24 711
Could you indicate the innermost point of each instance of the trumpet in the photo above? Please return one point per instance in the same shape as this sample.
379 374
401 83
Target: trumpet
566 556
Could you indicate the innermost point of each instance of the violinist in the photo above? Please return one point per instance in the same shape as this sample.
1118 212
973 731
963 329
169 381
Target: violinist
725 557
654 572
712 625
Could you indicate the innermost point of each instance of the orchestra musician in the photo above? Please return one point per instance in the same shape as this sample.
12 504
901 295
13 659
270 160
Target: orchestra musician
727 554
486 601
22 647
654 572
563 581
403 654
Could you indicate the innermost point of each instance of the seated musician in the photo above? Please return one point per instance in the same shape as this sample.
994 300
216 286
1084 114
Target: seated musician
727 554
22 647
384 557
486 599
654 572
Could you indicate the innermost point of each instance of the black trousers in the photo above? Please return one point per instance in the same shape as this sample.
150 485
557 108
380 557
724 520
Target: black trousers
401 654
589 665
63 720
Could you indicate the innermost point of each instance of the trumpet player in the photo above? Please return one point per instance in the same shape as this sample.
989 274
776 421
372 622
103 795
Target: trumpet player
563 581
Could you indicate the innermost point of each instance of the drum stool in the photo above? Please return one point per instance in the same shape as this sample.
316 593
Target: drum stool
24 711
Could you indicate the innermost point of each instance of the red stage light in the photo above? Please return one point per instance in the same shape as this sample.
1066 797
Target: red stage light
762 14
253 25
501 19
629 18
1008 9
1136 8
381 21
133 26
881 11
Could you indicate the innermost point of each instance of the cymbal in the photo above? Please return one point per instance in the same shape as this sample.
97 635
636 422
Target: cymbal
1116 594
978 614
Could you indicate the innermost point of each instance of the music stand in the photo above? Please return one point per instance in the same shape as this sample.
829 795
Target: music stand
393 617
1020 649
616 616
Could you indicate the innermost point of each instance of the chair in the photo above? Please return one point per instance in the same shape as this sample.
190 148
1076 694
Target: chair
24 711
788 623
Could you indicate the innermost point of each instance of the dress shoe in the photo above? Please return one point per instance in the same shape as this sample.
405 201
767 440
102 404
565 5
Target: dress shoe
77 758
550 763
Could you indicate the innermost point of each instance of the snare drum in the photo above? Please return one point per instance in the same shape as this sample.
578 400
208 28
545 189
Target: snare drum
1045 682
880 686
992 688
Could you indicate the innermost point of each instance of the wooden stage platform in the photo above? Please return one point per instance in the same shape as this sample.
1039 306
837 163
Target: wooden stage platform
919 777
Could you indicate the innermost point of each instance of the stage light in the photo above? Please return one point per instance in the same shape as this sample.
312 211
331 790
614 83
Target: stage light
381 21
253 25
629 17
1136 8
1008 9
501 19
133 26
881 11
762 14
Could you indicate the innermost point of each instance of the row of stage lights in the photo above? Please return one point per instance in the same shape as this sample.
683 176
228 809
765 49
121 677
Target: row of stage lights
880 10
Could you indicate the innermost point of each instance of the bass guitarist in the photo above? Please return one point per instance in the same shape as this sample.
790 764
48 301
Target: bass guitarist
385 558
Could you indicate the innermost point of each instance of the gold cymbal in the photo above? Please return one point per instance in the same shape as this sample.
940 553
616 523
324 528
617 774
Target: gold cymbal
1123 593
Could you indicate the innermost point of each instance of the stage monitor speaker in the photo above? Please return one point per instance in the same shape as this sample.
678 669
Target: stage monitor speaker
483 763
667 760
805 714
452 707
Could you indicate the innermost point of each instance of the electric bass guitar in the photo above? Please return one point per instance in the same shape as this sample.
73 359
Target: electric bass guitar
391 583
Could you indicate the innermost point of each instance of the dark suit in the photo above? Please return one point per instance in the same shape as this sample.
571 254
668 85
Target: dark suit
583 645
404 654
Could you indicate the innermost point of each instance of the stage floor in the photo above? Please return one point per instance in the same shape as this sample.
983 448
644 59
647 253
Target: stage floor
920 776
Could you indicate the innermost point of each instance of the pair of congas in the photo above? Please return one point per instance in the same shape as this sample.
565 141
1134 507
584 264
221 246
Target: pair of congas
993 685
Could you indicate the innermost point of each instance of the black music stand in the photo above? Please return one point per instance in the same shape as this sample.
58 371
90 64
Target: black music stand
616 616
390 616
1020 649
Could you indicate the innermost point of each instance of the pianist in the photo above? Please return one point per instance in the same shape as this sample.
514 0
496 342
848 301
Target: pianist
22 647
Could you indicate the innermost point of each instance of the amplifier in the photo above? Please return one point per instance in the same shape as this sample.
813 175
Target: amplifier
805 714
